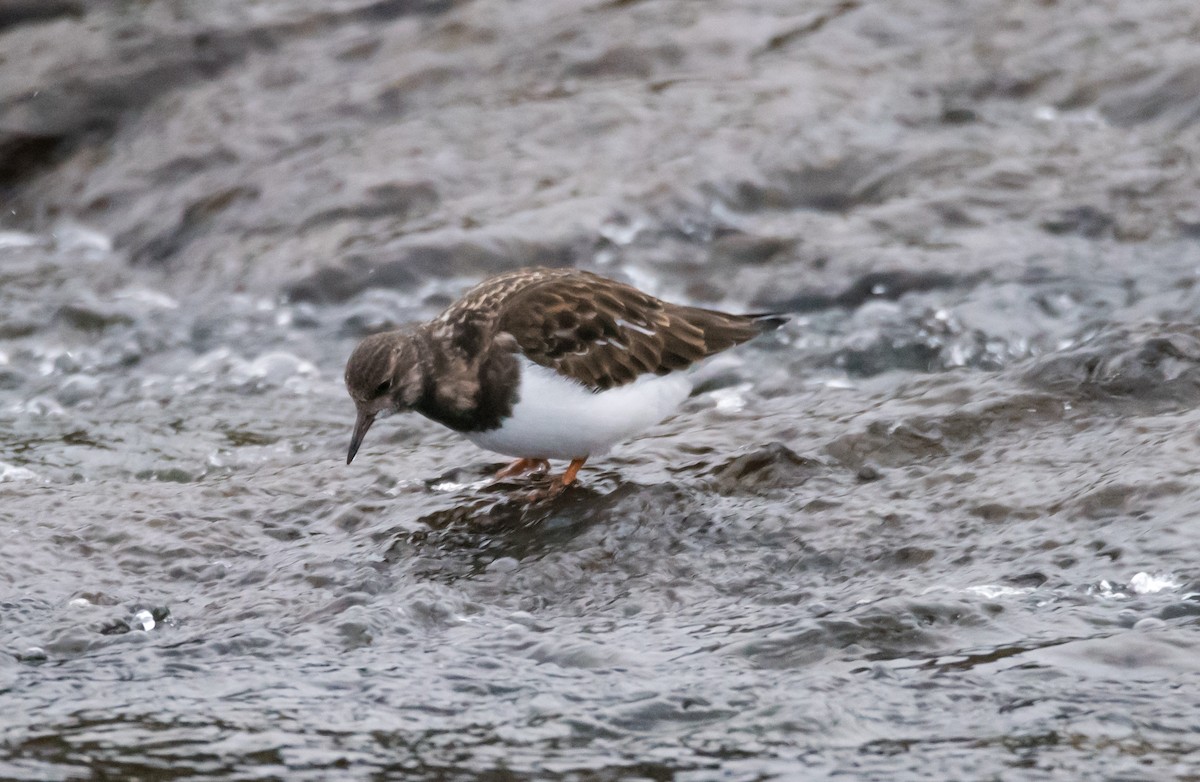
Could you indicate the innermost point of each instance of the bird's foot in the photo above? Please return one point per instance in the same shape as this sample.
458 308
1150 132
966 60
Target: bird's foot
522 466
551 490
558 484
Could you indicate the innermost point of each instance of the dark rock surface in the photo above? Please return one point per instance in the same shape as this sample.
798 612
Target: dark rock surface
218 143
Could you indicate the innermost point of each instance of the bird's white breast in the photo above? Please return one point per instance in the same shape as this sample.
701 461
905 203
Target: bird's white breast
557 418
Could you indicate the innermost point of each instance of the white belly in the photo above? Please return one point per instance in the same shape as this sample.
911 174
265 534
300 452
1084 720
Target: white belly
557 418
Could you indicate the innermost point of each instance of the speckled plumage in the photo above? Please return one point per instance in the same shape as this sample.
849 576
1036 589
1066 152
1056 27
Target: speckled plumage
464 368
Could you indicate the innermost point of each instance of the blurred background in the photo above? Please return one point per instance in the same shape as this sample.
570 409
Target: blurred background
941 525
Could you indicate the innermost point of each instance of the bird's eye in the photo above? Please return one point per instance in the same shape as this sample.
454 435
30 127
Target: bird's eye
383 388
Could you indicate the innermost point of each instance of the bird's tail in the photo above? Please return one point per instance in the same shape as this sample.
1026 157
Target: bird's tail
768 321
722 330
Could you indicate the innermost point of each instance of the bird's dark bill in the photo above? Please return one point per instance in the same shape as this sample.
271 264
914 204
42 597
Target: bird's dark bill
360 431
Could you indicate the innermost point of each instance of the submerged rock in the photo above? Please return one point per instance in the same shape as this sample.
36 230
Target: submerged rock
1154 365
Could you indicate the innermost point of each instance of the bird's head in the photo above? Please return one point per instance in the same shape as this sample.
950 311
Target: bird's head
384 376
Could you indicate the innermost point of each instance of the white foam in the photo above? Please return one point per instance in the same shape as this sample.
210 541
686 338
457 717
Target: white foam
1147 584
19 239
11 472
993 591
76 237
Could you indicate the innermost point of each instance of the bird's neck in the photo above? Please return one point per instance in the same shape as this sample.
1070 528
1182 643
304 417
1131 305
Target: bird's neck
465 391
427 360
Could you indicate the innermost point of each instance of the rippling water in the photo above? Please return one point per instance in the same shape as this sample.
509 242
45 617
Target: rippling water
809 570
942 525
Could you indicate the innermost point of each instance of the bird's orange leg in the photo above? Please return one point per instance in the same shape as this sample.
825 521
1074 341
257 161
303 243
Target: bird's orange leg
558 485
522 466
571 471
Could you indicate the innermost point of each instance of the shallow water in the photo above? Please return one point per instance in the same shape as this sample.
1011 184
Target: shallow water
978 570
941 525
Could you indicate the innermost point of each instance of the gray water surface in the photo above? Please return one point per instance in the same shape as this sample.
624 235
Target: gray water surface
942 525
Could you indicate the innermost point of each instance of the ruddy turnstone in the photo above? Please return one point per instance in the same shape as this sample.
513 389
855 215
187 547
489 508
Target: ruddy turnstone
543 364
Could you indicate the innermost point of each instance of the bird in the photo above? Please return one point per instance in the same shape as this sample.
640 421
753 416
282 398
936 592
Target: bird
542 363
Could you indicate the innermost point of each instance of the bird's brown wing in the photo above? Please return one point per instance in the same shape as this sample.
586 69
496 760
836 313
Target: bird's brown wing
604 333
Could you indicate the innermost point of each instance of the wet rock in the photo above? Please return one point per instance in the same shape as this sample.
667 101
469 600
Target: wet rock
32 654
1086 221
115 64
956 114
868 473
66 105
882 285
1180 610
746 249
417 264
169 475
1157 368
197 217
833 188
503 565
626 62
368 321
77 389
15 326
74 640
773 466
244 437
115 627
23 154
87 80
16 12
67 363
93 316
992 511
303 316
895 628
1031 580
888 444
1125 656
960 96
399 200
327 285
886 354
355 628
1169 94
11 379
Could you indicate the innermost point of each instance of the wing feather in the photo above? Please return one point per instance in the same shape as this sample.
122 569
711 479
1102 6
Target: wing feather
604 333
